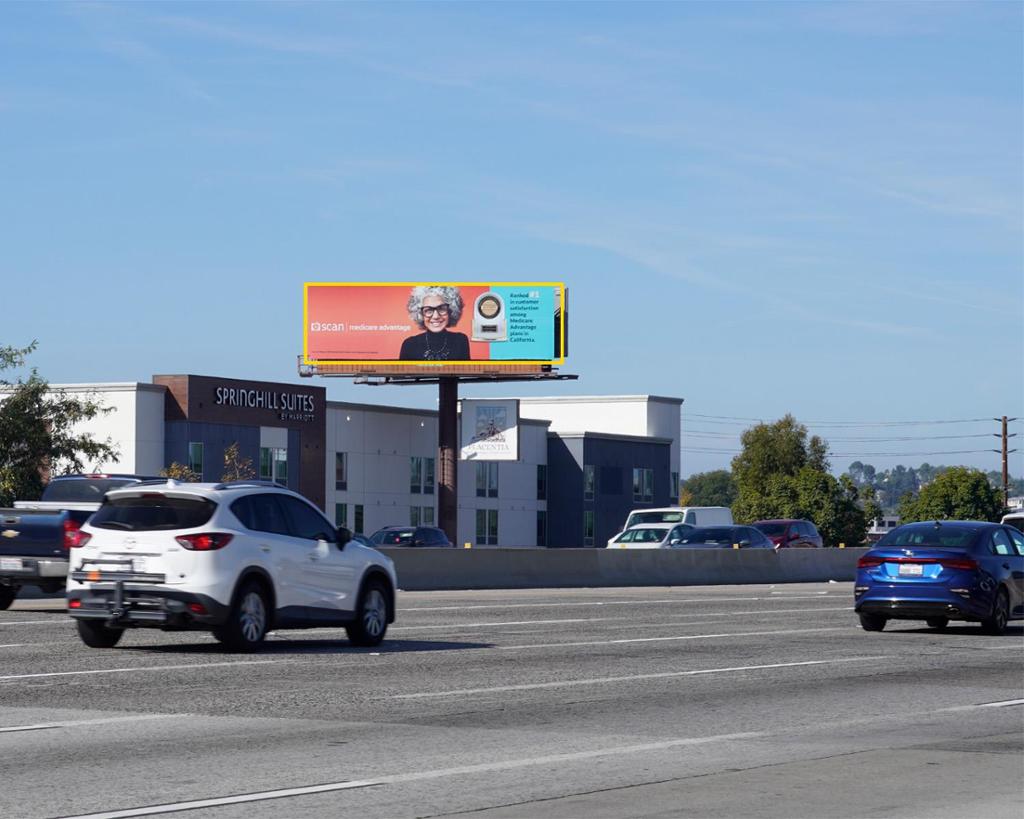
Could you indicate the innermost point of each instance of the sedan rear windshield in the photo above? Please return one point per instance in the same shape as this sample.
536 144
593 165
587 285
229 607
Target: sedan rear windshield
150 513
393 538
709 534
643 535
84 490
930 535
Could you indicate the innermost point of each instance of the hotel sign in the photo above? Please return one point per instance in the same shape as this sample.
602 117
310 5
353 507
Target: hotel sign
290 406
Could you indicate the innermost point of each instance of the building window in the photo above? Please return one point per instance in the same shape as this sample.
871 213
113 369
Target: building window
421 515
542 528
274 464
421 476
676 488
588 482
542 481
487 527
428 476
341 514
358 523
416 475
195 458
643 484
588 528
486 480
341 470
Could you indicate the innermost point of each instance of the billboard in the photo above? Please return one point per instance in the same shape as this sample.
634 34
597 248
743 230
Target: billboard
490 430
417 324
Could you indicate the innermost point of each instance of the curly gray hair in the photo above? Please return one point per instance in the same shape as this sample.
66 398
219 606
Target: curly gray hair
449 294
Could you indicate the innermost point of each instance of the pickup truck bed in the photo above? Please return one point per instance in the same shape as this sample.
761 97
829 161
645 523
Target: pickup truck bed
35 535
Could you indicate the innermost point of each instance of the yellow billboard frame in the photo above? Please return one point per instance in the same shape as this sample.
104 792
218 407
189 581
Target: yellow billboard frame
433 366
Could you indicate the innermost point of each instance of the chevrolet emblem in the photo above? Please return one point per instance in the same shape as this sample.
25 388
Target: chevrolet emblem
10 533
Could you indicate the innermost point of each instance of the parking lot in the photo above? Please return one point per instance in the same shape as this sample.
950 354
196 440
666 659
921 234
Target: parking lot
684 701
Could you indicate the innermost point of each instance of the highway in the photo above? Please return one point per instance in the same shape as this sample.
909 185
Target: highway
727 701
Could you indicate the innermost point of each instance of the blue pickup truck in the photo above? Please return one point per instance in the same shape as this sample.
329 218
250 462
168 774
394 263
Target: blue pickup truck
35 536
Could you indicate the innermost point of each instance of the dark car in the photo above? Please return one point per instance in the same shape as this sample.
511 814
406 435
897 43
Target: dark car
941 571
722 537
411 536
787 533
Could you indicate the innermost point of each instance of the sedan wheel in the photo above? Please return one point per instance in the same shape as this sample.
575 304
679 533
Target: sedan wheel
873 622
937 622
996 624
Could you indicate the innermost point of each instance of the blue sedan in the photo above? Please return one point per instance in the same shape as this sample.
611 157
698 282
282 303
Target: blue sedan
940 571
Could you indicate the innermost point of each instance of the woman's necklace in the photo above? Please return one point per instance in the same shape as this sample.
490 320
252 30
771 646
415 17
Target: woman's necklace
431 354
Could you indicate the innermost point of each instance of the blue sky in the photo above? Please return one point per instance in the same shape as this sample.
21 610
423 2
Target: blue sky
761 208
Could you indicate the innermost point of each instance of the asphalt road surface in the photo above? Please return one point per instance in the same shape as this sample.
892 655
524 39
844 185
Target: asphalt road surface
700 701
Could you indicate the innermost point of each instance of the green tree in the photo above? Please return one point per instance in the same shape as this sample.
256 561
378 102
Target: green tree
772 452
715 488
39 431
783 473
958 493
237 468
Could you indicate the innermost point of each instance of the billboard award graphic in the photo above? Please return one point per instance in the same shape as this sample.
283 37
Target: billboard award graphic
489 317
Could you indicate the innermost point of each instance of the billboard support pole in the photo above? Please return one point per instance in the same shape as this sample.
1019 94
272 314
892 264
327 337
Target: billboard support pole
448 456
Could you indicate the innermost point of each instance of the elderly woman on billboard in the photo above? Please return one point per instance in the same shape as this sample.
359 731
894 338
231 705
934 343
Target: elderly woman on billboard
434 309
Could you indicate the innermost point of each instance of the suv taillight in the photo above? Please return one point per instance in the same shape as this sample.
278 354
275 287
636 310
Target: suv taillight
74 537
206 542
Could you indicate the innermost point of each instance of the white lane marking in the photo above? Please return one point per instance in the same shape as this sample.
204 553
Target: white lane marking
456 626
64 621
639 601
999 648
662 675
419 776
670 639
13 645
137 668
42 726
1003 704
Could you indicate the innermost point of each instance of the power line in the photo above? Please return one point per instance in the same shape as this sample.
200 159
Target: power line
702 433
733 419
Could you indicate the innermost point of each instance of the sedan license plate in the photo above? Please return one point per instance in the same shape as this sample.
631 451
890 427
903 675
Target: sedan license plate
911 570
11 564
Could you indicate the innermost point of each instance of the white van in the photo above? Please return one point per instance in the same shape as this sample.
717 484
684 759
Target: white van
694 515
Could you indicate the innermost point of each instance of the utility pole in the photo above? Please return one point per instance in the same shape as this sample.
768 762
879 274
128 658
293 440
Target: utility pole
1006 459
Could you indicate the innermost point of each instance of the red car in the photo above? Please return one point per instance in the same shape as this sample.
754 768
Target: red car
790 534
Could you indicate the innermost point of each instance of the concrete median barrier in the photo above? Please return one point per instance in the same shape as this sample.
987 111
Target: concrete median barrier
444 569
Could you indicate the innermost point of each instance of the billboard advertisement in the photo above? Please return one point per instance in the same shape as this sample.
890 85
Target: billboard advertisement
490 430
416 323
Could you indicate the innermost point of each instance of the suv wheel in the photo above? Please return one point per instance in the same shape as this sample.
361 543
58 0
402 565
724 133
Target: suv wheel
873 622
96 635
7 595
371 616
996 624
248 621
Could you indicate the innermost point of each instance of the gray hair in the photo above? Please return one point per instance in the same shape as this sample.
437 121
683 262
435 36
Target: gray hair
449 294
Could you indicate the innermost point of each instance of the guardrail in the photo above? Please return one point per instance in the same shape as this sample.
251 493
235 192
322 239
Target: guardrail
426 569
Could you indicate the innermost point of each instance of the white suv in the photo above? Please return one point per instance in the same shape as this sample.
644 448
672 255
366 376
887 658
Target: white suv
237 559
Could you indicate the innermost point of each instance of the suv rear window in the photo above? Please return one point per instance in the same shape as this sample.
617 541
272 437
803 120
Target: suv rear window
149 513
82 490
